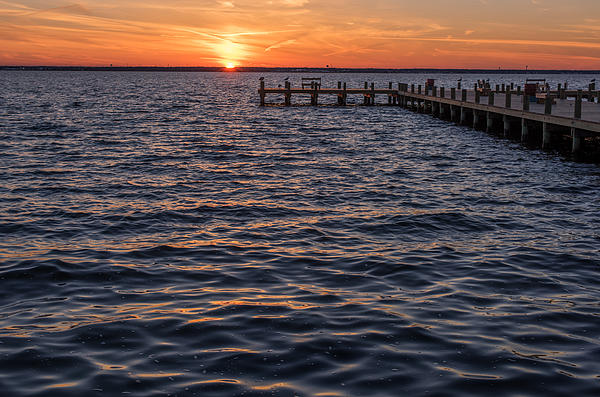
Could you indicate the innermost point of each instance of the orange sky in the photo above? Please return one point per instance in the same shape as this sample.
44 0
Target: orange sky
542 34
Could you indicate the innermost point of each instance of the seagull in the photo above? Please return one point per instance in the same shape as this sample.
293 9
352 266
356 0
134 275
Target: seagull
262 78
286 79
593 80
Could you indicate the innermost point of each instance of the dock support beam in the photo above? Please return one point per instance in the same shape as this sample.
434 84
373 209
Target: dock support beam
524 130
546 136
262 92
463 115
577 141
490 122
475 119
506 120
288 94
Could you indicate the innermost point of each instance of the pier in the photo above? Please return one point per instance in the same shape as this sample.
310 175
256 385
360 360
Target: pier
560 117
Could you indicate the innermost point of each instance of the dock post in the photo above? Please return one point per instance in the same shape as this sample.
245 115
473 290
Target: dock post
503 87
365 96
578 104
591 89
577 141
475 119
546 136
518 90
497 88
525 100
477 96
372 93
506 121
508 100
491 99
315 94
463 115
288 94
412 88
452 93
339 96
464 95
390 96
442 92
401 96
261 91
524 130
548 104
452 112
490 122
512 86
419 89
345 95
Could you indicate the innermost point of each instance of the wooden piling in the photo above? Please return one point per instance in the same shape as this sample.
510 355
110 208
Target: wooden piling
548 104
475 118
452 93
546 136
261 92
524 130
491 99
506 122
525 100
490 122
577 141
288 94
578 101
372 94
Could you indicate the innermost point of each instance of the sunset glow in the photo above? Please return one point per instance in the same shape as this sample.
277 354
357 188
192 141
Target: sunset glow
313 33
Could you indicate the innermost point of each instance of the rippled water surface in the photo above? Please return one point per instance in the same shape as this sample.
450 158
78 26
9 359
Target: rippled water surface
163 235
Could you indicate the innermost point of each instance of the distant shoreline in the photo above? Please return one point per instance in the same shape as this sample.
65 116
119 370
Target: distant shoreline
285 70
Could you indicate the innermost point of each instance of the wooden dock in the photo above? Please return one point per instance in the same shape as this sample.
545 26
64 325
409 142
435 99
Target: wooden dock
562 115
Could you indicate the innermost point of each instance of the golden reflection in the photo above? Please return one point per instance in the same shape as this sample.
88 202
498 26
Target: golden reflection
469 375
108 367
204 382
204 319
295 305
230 350
62 385
272 386
155 374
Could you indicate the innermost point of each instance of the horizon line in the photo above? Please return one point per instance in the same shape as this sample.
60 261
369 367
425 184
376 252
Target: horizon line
282 68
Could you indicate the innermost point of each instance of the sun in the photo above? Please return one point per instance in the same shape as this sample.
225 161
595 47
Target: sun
230 65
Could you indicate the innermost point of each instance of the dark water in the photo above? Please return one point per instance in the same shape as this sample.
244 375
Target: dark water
162 235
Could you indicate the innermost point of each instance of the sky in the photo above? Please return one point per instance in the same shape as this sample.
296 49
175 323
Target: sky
491 34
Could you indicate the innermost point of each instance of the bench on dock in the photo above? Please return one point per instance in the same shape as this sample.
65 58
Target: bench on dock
309 82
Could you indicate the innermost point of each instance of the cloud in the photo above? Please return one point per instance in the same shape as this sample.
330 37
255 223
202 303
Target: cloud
280 44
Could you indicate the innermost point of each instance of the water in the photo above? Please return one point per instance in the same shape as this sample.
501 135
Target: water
163 235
